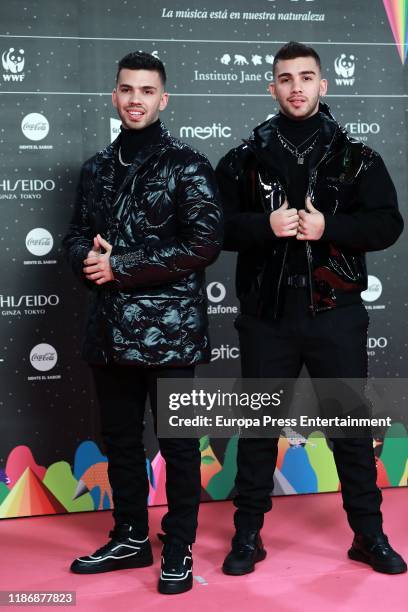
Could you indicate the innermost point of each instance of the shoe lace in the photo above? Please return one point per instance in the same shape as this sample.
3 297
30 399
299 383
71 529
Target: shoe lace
173 552
241 543
381 544
114 534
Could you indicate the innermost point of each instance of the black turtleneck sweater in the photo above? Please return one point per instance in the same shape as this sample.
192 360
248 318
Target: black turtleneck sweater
298 132
131 141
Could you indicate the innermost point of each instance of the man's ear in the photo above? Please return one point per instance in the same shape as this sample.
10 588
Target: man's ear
272 90
114 99
164 101
323 87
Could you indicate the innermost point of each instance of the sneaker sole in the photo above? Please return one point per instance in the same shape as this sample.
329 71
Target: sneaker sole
260 557
355 555
174 590
117 565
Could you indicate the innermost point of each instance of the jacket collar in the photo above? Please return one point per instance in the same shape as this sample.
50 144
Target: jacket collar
107 160
111 151
265 144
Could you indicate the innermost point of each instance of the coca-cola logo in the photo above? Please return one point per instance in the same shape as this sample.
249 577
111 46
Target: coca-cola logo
43 357
35 126
374 289
39 241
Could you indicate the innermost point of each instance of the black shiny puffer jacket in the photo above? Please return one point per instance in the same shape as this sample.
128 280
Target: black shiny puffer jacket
164 223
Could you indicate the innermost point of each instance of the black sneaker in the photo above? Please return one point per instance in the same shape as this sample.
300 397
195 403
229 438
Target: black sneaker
122 552
376 551
247 549
176 575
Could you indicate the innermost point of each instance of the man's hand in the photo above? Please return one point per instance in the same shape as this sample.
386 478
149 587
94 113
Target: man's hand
96 249
311 223
284 221
97 265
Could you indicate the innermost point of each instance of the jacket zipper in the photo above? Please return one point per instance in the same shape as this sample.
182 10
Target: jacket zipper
312 181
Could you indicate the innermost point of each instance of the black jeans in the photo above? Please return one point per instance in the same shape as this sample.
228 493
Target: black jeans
331 345
122 392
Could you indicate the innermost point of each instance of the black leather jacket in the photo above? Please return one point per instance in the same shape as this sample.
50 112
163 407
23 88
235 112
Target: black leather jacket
348 183
164 223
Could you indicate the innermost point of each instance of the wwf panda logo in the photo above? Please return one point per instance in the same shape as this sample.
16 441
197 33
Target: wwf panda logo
345 65
13 61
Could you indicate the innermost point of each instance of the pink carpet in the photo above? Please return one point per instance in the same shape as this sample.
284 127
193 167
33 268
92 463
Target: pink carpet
306 568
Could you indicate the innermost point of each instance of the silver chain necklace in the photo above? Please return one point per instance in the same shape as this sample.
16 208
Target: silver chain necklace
121 160
289 146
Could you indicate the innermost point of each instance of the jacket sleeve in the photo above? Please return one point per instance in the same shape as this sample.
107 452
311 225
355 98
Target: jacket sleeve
244 230
377 223
79 238
196 244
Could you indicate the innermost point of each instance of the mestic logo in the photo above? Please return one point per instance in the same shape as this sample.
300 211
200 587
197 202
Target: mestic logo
345 66
35 126
13 64
216 292
224 352
114 128
43 357
374 289
216 130
39 241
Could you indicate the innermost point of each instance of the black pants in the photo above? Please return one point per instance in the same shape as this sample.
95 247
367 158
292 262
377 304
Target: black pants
122 392
331 345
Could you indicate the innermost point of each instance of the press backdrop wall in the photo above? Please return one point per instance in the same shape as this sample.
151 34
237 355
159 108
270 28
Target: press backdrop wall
58 61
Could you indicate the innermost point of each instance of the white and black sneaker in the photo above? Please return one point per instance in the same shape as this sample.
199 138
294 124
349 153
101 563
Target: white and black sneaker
176 575
122 552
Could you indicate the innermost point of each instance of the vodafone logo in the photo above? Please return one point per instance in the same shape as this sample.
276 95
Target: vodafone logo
35 126
216 292
39 241
43 357
374 289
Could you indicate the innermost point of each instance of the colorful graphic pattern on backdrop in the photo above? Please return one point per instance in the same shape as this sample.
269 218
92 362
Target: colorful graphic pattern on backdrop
58 62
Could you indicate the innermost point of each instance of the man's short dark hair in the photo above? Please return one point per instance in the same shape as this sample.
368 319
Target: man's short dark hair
139 60
292 50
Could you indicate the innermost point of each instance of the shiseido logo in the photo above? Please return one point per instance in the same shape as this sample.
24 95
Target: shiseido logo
13 64
345 66
216 130
361 128
35 126
39 241
27 189
43 357
373 343
28 301
27 185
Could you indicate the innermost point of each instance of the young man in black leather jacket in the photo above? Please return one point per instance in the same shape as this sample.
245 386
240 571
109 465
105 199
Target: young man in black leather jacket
303 202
